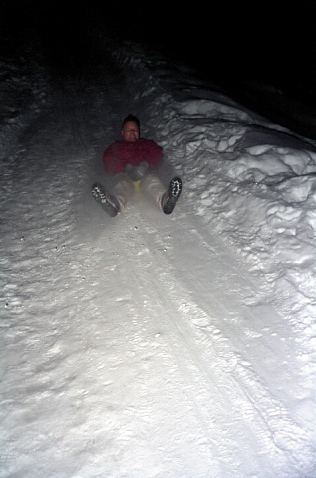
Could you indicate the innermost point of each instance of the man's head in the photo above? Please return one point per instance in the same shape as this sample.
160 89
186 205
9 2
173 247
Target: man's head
131 128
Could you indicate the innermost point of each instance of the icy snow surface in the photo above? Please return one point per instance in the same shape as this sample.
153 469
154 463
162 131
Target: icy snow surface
149 345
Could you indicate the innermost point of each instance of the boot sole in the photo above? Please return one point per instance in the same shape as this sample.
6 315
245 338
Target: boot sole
174 191
103 198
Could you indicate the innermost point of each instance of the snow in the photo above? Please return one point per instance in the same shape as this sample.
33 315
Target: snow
153 345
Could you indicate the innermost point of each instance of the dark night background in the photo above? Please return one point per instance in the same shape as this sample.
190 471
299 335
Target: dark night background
227 44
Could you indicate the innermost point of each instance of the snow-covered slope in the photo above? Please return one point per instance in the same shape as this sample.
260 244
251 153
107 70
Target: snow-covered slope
152 345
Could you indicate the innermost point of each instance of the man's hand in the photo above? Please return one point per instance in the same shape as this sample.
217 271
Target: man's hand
143 168
136 173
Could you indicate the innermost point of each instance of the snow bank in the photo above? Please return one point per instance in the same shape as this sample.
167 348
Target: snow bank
251 181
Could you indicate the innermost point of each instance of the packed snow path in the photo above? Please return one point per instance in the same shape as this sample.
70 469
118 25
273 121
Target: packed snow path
140 345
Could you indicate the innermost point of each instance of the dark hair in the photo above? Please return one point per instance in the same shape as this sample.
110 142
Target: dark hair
131 118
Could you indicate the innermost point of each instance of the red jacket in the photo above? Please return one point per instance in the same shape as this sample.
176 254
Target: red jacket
116 156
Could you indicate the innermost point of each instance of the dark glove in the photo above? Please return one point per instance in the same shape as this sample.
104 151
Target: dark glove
142 168
130 170
136 173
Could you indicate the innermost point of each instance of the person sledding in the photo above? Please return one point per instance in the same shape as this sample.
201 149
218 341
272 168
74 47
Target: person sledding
135 160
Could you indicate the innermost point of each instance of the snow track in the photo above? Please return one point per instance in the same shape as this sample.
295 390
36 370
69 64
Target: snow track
139 345
197 339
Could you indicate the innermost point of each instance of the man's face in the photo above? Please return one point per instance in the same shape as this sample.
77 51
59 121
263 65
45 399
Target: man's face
130 132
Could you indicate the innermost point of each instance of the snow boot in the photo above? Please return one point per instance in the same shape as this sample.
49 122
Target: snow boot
106 200
171 197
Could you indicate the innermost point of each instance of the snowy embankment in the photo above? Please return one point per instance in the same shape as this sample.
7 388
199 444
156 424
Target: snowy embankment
254 182
148 345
